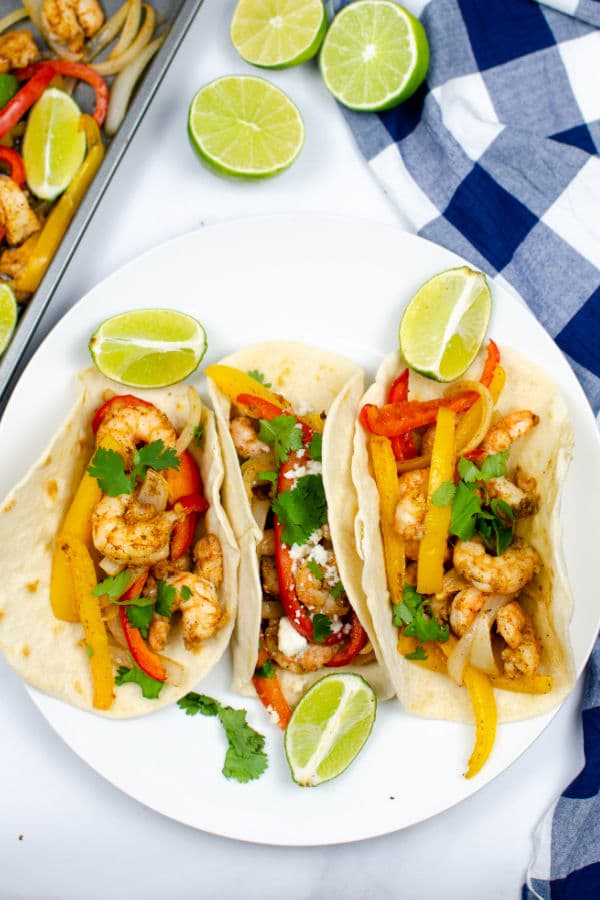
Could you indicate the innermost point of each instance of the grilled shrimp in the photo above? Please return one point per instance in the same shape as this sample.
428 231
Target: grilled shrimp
16 216
508 430
316 596
522 655
504 574
522 503
245 438
439 604
127 530
410 510
70 22
313 657
17 50
129 425
268 576
201 612
14 259
161 570
158 632
208 559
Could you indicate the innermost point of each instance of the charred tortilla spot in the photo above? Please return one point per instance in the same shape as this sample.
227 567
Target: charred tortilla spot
32 586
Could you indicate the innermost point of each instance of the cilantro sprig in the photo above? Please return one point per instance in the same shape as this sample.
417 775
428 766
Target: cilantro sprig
108 466
283 433
245 759
301 510
150 687
321 627
114 586
258 376
414 615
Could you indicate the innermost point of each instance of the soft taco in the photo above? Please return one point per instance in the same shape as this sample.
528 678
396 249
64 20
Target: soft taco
459 534
119 565
285 414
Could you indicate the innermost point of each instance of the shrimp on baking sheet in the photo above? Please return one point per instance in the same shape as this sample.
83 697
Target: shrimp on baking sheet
17 50
70 22
17 219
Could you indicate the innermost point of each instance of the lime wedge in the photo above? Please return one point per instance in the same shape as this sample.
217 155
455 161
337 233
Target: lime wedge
277 34
328 727
54 144
374 55
444 324
148 347
242 125
8 315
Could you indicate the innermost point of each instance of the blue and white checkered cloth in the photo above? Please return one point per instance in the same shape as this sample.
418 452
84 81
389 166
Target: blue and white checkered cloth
496 158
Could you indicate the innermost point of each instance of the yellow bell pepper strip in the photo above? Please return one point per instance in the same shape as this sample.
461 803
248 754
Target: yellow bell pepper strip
430 564
435 661
482 697
383 464
63 210
94 629
530 684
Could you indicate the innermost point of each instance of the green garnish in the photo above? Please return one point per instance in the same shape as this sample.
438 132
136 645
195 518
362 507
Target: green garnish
267 670
165 598
283 433
150 687
185 592
89 650
315 569
301 510
418 653
321 627
258 376
268 476
140 616
108 467
199 434
413 615
114 586
337 590
315 448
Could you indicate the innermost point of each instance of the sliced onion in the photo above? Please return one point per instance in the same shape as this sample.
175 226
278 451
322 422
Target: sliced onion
267 545
118 63
111 566
466 438
124 84
251 469
173 669
34 11
107 33
154 491
418 462
260 511
12 18
461 655
113 623
130 29
119 655
271 609
195 407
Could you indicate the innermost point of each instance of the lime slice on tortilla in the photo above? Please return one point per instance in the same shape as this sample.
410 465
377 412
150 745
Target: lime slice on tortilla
54 144
374 56
148 348
8 315
244 126
444 324
329 727
276 34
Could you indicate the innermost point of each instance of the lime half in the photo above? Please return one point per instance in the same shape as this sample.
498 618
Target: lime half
148 347
444 324
54 144
8 315
374 55
328 727
277 34
243 125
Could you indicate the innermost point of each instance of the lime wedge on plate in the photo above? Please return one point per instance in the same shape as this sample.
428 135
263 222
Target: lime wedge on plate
54 144
8 315
243 125
328 727
444 324
148 348
374 55
277 34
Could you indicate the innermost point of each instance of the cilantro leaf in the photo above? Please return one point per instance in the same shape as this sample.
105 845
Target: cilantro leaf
89 650
418 653
315 569
199 434
185 592
165 598
315 448
140 617
258 376
108 468
267 670
194 703
413 614
465 506
494 466
468 471
444 494
283 434
302 509
268 476
321 627
135 601
154 456
150 687
337 590
114 586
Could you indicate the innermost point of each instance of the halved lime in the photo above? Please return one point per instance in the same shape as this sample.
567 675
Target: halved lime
54 144
374 55
277 34
243 125
8 315
444 324
329 727
148 347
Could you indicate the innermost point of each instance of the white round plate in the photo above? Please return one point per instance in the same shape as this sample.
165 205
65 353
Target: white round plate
340 284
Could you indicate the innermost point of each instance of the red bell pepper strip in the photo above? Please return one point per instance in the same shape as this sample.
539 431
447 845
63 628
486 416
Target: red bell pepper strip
148 661
18 105
15 163
270 693
72 70
358 639
395 419
185 487
185 480
183 532
403 446
492 360
263 409
128 399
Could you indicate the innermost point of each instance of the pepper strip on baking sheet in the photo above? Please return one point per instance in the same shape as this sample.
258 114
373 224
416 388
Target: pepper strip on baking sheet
70 70
269 690
383 465
15 163
25 97
430 564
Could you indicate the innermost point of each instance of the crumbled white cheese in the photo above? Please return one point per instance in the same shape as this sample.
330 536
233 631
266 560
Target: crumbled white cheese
289 641
273 715
319 554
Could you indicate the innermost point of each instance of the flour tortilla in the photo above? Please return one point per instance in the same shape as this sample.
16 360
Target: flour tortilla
48 653
545 453
312 380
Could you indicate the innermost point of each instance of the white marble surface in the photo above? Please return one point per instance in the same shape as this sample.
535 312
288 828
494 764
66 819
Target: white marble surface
65 834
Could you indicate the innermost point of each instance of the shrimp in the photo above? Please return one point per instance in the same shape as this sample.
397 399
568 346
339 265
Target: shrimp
522 504
465 606
410 510
522 655
508 430
17 50
70 22
439 604
16 216
129 424
313 657
268 576
316 596
201 613
125 529
245 438
161 570
158 632
208 559
13 261
504 574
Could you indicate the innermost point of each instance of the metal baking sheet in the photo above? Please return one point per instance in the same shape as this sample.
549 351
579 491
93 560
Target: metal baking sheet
177 16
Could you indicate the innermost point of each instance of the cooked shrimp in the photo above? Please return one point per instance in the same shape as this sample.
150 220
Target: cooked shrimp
245 438
313 657
508 430
16 216
161 570
14 260
129 425
201 612
522 655
316 596
465 606
410 510
158 632
124 529
522 504
268 576
70 22
504 574
17 50
439 604
427 442
208 559
410 574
